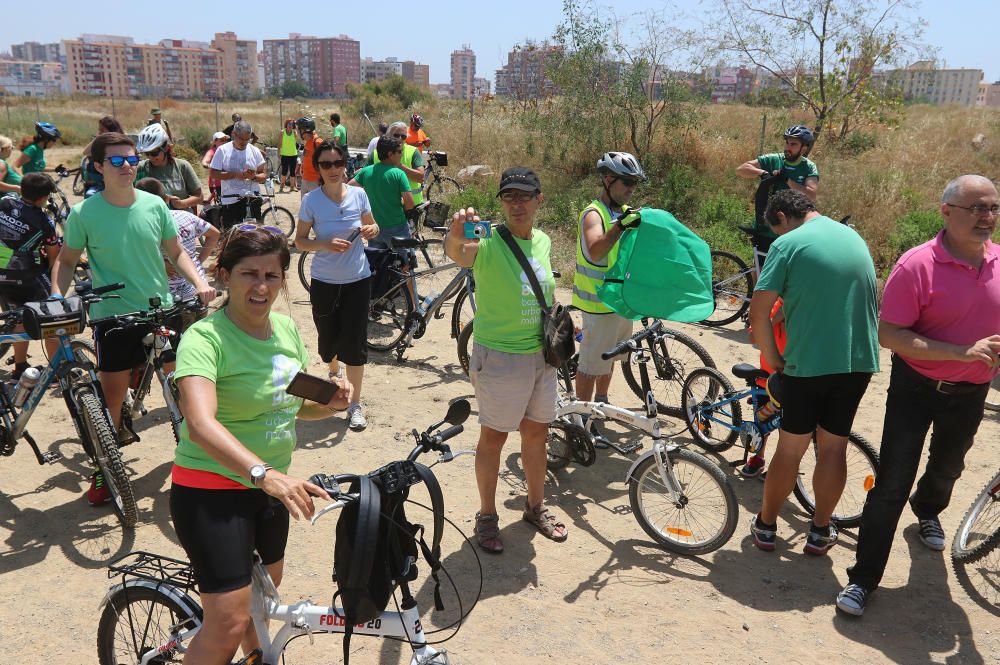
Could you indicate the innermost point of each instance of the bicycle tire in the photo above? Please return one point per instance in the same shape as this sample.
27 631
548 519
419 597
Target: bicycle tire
697 416
463 347
435 271
993 396
150 611
731 287
108 456
668 373
5 347
678 535
463 311
305 269
443 187
567 442
862 470
982 517
79 187
275 215
172 398
387 317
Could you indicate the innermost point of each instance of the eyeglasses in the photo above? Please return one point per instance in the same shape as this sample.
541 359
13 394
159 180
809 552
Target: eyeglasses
399 136
628 182
978 209
153 153
327 164
517 197
246 228
118 161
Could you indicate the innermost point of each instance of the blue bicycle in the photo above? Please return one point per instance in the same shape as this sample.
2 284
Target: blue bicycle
713 413
70 366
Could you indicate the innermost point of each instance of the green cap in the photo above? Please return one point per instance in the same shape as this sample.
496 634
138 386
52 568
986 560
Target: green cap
154 111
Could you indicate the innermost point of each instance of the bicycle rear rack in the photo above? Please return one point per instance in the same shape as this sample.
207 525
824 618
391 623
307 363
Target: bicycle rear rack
153 567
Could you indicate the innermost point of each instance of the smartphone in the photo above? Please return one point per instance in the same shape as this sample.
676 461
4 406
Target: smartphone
354 234
312 388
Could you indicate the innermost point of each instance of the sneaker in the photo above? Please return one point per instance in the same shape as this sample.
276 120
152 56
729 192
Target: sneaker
764 536
600 441
98 494
356 419
753 468
852 599
820 540
931 534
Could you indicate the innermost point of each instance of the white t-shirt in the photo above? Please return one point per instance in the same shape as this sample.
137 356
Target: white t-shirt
228 158
189 228
371 147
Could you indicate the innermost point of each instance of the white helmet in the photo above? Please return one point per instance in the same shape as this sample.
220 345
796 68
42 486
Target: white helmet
151 138
621 164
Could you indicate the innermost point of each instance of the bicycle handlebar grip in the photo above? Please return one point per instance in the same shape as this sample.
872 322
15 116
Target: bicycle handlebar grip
620 348
449 433
107 287
326 482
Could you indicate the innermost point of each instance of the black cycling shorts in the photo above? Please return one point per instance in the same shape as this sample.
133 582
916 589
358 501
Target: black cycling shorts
288 164
340 312
31 289
221 529
830 401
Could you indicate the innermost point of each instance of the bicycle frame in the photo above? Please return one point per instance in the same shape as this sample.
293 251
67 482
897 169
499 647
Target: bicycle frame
418 318
156 343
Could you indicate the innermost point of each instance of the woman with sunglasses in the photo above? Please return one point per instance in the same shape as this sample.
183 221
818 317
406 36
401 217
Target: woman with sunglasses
340 217
231 495
176 174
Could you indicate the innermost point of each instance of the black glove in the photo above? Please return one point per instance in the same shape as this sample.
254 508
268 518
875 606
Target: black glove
631 219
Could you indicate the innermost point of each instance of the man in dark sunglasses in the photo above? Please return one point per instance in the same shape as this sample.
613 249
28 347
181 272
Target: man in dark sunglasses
123 232
411 161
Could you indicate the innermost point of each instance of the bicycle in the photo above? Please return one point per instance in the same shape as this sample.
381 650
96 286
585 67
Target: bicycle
273 215
150 616
58 205
975 550
993 397
437 185
80 389
710 400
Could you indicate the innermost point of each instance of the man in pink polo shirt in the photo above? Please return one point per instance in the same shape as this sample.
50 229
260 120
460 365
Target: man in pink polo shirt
941 319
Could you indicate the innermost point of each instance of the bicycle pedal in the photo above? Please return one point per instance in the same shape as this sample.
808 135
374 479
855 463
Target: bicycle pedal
630 448
51 458
256 657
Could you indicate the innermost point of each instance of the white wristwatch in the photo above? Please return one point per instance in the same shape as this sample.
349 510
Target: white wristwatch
257 473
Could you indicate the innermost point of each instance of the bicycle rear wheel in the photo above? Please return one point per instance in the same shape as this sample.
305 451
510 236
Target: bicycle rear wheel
387 317
79 185
713 428
993 397
434 272
108 456
732 288
463 310
674 355
139 619
280 217
979 532
704 518
443 187
862 468
305 268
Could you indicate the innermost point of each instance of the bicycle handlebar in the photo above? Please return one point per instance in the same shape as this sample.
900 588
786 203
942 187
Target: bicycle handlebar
152 316
632 343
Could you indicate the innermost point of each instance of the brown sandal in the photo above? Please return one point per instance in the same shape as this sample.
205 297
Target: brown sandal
488 533
545 522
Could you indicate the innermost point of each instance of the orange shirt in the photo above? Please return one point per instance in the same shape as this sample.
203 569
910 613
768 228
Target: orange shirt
416 138
309 171
780 339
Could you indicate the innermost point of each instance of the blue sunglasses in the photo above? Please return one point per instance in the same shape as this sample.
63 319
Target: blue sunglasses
118 161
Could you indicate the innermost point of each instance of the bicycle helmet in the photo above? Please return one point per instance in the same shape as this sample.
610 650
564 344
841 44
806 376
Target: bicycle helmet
306 124
416 121
802 133
151 138
621 164
47 130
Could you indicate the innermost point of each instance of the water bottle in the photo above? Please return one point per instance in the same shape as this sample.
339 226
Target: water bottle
766 412
426 302
27 382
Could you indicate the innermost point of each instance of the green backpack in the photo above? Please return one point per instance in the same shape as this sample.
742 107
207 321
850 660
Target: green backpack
663 271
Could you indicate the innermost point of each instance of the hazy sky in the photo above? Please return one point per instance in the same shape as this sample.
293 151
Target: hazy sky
425 31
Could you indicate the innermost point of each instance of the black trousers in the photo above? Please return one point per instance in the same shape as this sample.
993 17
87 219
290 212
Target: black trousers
912 407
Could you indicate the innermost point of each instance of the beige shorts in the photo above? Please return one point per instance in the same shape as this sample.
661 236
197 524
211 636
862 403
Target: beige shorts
512 386
600 333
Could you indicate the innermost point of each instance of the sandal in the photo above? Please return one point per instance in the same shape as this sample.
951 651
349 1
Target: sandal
488 533
545 522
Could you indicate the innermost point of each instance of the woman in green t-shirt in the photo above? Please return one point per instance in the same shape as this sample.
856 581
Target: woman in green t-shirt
230 494
10 179
32 158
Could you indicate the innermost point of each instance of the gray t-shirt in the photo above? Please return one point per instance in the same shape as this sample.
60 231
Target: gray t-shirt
337 220
178 176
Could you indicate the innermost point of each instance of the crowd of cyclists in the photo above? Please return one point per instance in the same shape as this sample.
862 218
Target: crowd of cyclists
814 315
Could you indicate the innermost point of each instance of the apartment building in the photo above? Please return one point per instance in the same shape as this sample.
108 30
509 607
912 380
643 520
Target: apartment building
31 79
239 60
379 70
463 72
35 52
481 87
325 64
523 77
923 82
989 95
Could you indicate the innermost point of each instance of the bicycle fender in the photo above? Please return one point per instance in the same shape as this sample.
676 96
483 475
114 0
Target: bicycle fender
641 458
173 592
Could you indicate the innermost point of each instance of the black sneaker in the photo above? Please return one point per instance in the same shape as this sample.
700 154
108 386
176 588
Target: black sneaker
931 534
820 539
852 599
764 536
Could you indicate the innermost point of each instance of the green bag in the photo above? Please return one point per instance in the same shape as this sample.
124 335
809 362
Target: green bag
663 271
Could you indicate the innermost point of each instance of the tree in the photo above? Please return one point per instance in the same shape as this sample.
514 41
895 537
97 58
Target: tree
381 96
824 52
290 90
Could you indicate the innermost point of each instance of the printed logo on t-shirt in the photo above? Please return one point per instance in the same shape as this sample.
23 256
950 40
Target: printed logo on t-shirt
283 370
531 311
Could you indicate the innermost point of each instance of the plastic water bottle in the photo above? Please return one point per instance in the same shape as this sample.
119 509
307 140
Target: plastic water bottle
426 302
27 383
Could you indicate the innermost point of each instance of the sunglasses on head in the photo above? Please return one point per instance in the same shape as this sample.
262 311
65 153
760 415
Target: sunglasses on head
327 164
154 153
118 161
259 227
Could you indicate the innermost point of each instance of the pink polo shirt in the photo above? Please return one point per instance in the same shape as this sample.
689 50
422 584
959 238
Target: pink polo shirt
944 299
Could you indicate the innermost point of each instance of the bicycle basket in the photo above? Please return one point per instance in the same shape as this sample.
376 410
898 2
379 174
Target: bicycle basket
437 213
440 157
53 318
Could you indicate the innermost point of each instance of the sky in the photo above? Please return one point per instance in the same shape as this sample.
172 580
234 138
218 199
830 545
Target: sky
427 31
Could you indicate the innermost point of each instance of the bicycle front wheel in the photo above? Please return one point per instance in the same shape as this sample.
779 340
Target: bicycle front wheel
979 532
387 317
463 310
443 187
79 186
732 288
138 620
862 467
674 355
279 217
713 425
305 268
993 397
701 520
108 456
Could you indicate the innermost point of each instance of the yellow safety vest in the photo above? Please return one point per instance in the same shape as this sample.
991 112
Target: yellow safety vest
590 275
416 188
288 147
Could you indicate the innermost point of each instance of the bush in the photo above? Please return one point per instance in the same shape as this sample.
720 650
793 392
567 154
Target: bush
858 142
717 220
911 230
198 138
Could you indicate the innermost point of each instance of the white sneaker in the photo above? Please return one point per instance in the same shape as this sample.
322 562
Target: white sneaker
356 419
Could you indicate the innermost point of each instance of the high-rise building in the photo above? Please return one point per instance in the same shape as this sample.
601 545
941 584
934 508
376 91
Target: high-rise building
480 87
31 79
523 77
379 70
463 72
422 75
325 64
35 52
922 81
239 61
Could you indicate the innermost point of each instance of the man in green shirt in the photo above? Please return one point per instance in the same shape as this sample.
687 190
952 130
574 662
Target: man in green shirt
388 190
339 131
824 274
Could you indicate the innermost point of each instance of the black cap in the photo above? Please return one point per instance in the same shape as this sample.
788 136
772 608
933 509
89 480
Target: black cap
519 177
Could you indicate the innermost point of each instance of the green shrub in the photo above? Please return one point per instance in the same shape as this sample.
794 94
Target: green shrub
911 230
858 142
717 219
198 138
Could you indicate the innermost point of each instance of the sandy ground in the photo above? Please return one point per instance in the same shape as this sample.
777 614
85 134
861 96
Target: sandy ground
605 595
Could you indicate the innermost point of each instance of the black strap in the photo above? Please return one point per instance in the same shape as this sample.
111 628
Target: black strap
505 233
365 534
433 554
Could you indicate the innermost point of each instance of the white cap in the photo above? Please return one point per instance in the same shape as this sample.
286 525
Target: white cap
219 135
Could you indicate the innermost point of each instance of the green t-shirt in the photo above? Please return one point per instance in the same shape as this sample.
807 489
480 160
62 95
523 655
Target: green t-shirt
36 159
178 177
123 245
340 135
384 184
799 171
250 377
508 317
824 273
12 177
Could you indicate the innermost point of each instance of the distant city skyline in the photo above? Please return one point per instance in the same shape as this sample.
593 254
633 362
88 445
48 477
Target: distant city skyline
428 34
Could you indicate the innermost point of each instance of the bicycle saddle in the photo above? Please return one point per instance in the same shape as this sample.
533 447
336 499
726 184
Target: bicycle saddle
749 372
403 243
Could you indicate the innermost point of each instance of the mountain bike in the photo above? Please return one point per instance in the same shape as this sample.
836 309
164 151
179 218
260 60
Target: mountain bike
713 414
680 498
58 205
150 616
80 388
436 185
993 397
272 215
979 532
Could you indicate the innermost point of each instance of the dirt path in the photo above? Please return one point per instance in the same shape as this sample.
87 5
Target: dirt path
606 595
